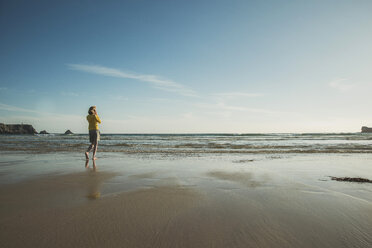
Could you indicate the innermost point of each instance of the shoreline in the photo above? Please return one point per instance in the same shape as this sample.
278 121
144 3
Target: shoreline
190 145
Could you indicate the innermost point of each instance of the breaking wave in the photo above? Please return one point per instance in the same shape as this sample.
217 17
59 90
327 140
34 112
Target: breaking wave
195 143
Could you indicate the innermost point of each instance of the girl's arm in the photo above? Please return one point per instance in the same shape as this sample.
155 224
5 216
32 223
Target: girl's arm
98 119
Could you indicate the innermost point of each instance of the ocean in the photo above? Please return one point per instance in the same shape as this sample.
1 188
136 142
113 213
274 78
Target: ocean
195 144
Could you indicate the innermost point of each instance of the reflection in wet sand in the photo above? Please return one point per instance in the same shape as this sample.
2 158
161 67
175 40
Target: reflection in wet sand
53 191
94 165
93 181
245 178
143 175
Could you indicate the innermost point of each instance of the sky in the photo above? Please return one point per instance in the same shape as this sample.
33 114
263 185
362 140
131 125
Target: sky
279 66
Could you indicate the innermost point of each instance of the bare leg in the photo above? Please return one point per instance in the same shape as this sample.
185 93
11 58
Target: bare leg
88 151
95 150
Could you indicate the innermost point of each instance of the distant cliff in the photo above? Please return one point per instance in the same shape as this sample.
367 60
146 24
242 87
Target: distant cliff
366 129
17 129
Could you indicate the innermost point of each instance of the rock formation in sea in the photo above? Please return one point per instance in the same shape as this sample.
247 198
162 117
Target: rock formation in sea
17 129
69 132
43 132
366 129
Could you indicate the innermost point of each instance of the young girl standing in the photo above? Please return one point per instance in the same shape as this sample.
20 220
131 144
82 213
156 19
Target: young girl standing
94 136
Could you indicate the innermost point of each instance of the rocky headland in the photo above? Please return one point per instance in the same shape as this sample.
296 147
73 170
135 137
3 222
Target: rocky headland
17 129
366 129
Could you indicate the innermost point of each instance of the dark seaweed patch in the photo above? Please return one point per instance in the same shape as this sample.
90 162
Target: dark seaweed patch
352 179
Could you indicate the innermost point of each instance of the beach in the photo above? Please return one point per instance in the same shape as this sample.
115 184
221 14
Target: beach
57 200
185 124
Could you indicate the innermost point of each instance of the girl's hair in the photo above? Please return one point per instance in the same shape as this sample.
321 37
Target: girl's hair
90 111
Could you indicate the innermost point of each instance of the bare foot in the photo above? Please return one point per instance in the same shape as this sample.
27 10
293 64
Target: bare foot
94 158
87 155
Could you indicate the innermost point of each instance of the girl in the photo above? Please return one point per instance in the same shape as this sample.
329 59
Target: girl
94 136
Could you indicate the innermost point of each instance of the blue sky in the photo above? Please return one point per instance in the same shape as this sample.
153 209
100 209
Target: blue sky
187 66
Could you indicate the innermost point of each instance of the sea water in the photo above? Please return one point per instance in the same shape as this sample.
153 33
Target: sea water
195 144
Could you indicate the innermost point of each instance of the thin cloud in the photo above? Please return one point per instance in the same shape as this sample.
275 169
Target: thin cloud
155 81
237 94
15 109
11 108
341 84
225 107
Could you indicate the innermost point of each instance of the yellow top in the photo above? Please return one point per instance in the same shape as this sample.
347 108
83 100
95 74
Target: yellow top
93 121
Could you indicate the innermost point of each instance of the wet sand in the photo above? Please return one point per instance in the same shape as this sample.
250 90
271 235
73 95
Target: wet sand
221 208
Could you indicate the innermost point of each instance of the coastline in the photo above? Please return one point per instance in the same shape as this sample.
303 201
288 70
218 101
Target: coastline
191 202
